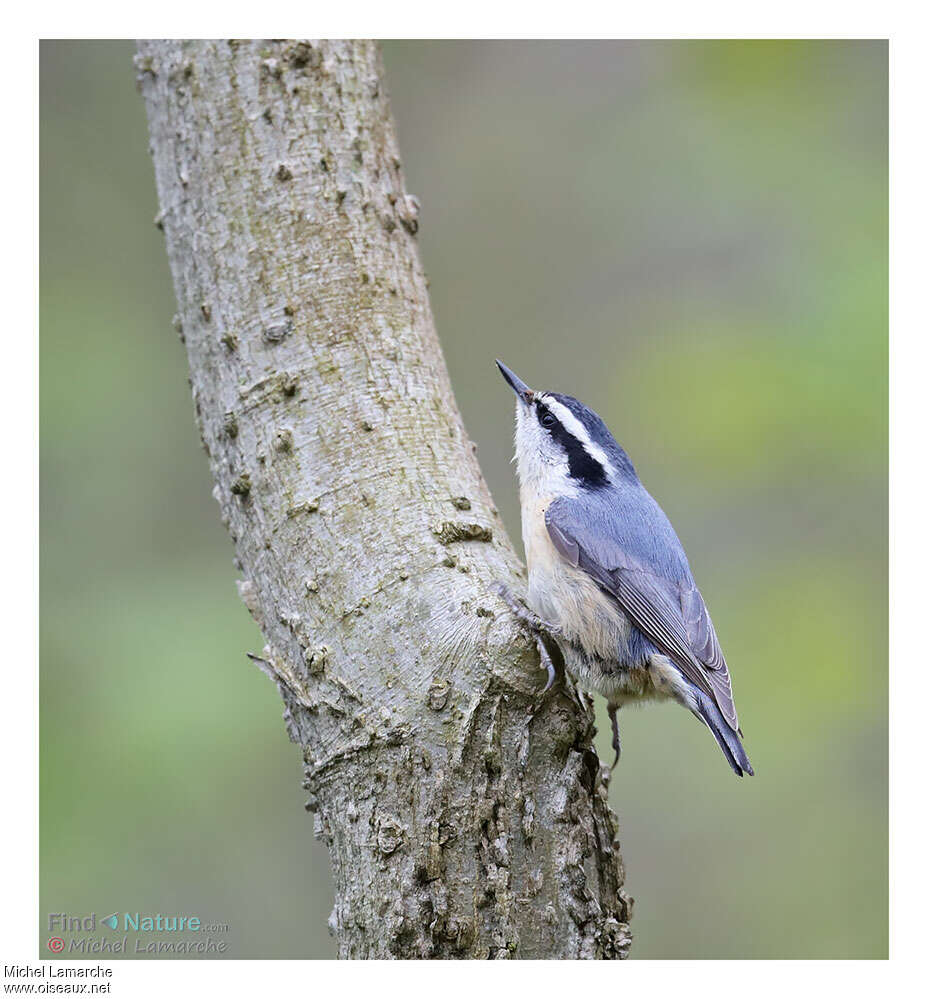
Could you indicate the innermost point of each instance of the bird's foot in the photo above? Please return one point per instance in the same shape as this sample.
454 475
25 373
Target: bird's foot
536 625
546 662
529 618
616 741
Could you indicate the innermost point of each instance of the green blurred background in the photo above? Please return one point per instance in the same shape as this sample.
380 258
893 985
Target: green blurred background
689 236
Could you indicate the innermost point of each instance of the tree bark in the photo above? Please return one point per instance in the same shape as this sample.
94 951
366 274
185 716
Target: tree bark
466 814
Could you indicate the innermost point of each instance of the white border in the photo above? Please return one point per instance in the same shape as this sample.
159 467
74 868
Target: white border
19 422
18 917
477 19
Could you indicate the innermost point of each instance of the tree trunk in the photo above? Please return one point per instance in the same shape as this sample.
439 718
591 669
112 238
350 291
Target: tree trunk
466 814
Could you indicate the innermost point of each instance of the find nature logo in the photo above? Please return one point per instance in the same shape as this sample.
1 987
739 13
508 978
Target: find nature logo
81 934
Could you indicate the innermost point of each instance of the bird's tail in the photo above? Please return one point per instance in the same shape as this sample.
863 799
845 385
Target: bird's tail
727 738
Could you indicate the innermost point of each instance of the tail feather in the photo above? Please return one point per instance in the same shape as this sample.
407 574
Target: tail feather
727 738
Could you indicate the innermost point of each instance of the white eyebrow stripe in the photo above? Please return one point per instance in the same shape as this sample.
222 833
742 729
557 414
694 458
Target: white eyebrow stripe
576 429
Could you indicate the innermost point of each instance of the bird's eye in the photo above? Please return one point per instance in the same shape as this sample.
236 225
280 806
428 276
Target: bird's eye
548 420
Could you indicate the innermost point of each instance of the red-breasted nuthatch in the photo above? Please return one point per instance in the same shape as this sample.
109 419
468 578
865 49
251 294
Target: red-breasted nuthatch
608 579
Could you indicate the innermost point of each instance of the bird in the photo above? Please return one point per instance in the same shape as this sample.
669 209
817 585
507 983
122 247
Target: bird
608 579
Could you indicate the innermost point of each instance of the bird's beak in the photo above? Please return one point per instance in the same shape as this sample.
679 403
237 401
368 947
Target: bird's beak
522 390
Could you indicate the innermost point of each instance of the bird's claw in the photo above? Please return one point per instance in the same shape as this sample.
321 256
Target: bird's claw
529 618
546 662
616 741
536 625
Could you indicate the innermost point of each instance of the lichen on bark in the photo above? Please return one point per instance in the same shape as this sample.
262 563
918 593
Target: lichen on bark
466 814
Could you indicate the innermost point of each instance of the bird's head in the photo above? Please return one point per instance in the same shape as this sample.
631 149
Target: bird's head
562 446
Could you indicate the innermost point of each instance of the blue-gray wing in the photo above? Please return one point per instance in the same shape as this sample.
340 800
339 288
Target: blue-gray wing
635 556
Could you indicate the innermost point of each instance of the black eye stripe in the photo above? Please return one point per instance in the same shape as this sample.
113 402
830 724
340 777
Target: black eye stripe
581 464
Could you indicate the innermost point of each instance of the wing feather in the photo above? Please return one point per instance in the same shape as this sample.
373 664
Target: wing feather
669 612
